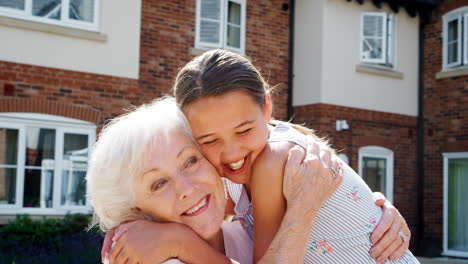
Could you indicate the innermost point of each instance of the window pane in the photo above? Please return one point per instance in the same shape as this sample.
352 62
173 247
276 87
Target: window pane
40 146
373 26
373 48
452 42
8 146
457 201
453 30
82 10
234 15
7 185
210 9
15 4
38 187
47 8
75 161
374 173
233 36
452 52
209 32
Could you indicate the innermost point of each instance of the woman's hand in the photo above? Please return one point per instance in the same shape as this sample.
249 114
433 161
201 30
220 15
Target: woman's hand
386 236
143 241
308 183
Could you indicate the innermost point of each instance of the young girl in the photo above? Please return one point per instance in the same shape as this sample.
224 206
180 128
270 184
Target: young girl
229 109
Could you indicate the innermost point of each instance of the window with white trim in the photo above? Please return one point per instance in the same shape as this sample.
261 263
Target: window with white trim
377 39
376 169
81 14
43 162
221 24
455 38
455 201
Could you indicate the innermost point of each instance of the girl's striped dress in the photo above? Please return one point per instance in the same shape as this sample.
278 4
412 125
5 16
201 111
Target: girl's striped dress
341 233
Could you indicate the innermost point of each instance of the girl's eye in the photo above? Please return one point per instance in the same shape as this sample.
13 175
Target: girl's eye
158 185
244 131
209 142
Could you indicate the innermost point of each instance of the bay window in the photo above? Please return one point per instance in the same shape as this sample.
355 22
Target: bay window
43 161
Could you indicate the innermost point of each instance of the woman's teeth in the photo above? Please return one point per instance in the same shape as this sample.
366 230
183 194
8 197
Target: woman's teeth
197 207
236 165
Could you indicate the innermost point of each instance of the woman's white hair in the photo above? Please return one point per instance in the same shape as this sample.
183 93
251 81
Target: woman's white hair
119 154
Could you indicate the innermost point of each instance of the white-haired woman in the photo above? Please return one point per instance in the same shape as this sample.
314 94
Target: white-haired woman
146 166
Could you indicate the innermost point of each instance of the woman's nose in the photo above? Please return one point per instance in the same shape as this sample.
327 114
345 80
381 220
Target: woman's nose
184 186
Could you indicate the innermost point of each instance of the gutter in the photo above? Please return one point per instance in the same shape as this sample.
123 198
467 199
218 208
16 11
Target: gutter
290 108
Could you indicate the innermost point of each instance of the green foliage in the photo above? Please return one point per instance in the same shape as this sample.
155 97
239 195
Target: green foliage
66 240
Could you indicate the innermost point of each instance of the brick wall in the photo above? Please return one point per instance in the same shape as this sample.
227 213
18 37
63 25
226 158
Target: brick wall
446 123
372 128
167 35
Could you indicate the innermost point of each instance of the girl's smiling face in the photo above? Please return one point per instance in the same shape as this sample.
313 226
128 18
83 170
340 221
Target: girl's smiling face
180 185
231 130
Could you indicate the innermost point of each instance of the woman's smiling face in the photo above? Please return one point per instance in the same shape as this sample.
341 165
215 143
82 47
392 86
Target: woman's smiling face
180 185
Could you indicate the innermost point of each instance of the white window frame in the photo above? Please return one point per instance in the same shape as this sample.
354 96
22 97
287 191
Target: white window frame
26 14
61 125
223 27
446 157
462 61
383 153
388 43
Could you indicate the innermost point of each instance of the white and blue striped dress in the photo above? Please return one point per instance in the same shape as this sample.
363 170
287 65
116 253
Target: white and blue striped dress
342 226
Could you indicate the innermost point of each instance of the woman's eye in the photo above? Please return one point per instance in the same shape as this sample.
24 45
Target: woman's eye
192 161
158 185
244 131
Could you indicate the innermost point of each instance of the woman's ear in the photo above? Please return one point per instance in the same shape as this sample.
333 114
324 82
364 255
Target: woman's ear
268 107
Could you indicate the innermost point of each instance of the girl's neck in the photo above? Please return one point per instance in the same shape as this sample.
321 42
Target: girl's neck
217 241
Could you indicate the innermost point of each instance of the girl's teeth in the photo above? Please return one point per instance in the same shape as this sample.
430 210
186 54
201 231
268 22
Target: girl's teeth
236 165
194 209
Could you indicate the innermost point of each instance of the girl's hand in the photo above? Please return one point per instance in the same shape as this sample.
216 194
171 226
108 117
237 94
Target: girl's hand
106 246
386 238
308 184
143 241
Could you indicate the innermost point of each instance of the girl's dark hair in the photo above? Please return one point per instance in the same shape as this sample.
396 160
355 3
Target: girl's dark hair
217 72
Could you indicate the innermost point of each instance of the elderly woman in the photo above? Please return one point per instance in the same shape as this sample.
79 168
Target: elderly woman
146 166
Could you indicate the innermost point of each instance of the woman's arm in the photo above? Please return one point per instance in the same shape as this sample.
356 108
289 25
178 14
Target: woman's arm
385 238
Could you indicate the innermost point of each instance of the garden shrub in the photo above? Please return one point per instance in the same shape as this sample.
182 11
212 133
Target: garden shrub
50 241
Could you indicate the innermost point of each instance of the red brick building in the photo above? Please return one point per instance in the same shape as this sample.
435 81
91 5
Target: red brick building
81 66
349 69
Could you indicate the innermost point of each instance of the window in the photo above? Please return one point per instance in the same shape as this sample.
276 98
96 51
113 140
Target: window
455 35
73 13
221 24
377 38
43 161
376 169
455 200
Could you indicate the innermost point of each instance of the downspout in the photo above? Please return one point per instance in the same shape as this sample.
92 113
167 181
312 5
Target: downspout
290 108
420 137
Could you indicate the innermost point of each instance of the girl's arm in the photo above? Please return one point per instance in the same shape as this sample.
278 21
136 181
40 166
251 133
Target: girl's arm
308 181
143 241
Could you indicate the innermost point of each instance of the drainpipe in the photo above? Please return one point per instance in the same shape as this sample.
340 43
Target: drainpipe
420 137
290 108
